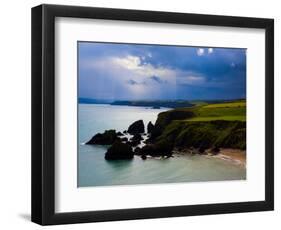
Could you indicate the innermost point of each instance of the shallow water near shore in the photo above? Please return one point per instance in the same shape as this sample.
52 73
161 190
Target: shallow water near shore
94 170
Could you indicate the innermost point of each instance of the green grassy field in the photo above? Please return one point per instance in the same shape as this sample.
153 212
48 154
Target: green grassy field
230 111
220 124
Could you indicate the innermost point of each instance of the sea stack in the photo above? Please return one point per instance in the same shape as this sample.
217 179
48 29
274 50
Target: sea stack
136 128
150 127
106 138
119 151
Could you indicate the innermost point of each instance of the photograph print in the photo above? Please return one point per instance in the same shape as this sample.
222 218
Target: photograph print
155 114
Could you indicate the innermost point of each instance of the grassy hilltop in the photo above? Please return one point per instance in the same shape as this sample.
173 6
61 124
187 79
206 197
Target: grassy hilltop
203 126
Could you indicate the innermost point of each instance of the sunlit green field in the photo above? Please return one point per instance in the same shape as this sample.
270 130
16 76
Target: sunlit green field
233 111
229 111
220 124
224 118
228 104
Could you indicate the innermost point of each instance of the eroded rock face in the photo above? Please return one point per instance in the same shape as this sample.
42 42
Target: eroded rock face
215 150
119 134
106 138
137 137
143 157
165 118
150 127
136 128
124 139
119 151
163 148
137 150
133 143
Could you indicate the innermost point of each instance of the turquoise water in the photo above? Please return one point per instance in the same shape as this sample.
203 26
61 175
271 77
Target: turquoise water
93 170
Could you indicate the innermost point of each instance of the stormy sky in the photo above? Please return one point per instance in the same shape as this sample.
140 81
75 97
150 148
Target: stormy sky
155 72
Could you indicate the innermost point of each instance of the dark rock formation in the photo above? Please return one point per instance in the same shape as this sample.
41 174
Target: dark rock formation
215 150
119 134
165 118
124 139
163 148
143 157
136 127
150 127
137 150
119 151
169 155
106 138
203 146
137 137
194 151
133 143
201 150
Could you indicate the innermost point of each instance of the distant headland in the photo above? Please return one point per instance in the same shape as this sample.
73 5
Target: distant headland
156 104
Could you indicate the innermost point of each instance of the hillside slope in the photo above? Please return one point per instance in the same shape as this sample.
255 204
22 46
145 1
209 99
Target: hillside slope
203 126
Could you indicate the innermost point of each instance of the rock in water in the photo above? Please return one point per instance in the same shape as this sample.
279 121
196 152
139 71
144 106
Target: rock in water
133 143
137 150
135 140
124 139
163 148
137 137
119 151
150 127
143 157
136 127
119 134
106 138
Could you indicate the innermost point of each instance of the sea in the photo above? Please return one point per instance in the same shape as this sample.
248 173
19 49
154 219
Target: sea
94 170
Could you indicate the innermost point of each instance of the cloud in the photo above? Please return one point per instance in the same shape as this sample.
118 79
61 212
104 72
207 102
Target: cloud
200 51
210 50
157 79
133 63
129 62
192 79
129 77
135 73
132 82
158 72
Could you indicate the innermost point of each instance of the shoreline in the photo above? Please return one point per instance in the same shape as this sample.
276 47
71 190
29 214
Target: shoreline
233 156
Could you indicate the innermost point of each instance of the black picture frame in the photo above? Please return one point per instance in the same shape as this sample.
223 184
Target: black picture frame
43 114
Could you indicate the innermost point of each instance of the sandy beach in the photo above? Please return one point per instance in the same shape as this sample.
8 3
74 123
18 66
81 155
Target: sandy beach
235 156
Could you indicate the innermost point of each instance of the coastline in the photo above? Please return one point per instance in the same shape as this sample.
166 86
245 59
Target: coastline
233 156
182 166
165 130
